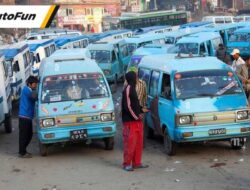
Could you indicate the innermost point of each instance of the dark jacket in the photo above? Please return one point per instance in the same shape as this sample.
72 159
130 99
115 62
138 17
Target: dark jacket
131 108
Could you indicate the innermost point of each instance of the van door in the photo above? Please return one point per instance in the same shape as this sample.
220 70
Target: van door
124 56
166 108
153 119
203 49
116 65
209 48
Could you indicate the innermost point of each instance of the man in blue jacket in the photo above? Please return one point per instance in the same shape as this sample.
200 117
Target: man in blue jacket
26 115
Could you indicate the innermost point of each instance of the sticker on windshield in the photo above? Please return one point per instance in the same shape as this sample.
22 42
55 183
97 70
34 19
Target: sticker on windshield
55 98
229 86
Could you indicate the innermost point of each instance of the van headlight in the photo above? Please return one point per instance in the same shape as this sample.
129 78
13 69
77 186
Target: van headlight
185 119
107 117
48 122
242 115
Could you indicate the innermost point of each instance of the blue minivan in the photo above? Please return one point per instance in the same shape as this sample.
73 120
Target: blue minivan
75 102
194 99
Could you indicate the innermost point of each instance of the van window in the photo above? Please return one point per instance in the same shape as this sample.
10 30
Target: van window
209 48
28 57
124 51
144 74
113 56
228 20
47 52
202 48
38 60
76 45
26 64
216 42
16 67
153 89
166 86
52 48
32 38
219 20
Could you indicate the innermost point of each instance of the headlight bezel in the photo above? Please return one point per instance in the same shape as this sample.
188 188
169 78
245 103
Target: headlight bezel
109 117
182 118
244 115
50 122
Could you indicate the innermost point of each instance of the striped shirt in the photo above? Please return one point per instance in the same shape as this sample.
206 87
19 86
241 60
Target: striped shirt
141 90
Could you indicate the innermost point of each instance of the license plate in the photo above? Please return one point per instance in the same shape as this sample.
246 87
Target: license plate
78 135
217 131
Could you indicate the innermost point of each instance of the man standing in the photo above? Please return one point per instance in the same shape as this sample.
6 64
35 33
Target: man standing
243 72
26 114
132 114
237 59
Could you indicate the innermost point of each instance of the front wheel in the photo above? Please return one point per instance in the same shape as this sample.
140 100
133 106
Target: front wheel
238 143
109 143
43 149
169 145
8 123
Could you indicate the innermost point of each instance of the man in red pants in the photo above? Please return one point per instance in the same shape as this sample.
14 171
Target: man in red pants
132 115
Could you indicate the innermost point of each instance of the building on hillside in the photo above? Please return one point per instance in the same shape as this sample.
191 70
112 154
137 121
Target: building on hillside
87 16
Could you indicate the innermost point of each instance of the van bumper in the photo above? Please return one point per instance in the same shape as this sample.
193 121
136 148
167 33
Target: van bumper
56 135
201 133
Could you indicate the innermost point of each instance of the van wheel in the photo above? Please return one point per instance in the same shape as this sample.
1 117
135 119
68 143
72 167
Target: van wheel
169 145
43 149
149 132
109 143
8 123
237 143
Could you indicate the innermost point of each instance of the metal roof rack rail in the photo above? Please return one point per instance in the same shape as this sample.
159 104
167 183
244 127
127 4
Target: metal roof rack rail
75 59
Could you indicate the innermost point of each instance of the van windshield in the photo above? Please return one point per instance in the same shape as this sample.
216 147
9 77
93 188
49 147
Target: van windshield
240 37
208 83
72 87
131 47
101 56
185 48
169 40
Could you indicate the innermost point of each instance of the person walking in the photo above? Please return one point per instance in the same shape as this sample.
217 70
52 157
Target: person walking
243 72
132 115
221 53
26 115
237 59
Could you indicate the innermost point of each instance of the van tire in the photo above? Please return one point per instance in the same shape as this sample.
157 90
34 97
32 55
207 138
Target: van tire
109 143
237 147
8 124
43 149
169 145
149 132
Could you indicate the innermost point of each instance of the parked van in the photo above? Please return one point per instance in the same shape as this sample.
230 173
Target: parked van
5 93
202 43
225 30
39 50
149 49
153 30
70 42
18 55
219 19
51 33
141 40
75 103
115 35
241 18
196 24
112 58
240 40
194 99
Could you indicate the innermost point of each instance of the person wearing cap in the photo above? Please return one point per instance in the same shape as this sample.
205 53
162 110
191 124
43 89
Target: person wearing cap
243 72
237 59
26 115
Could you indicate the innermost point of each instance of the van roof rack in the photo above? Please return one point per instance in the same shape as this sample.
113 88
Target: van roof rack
190 55
75 59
